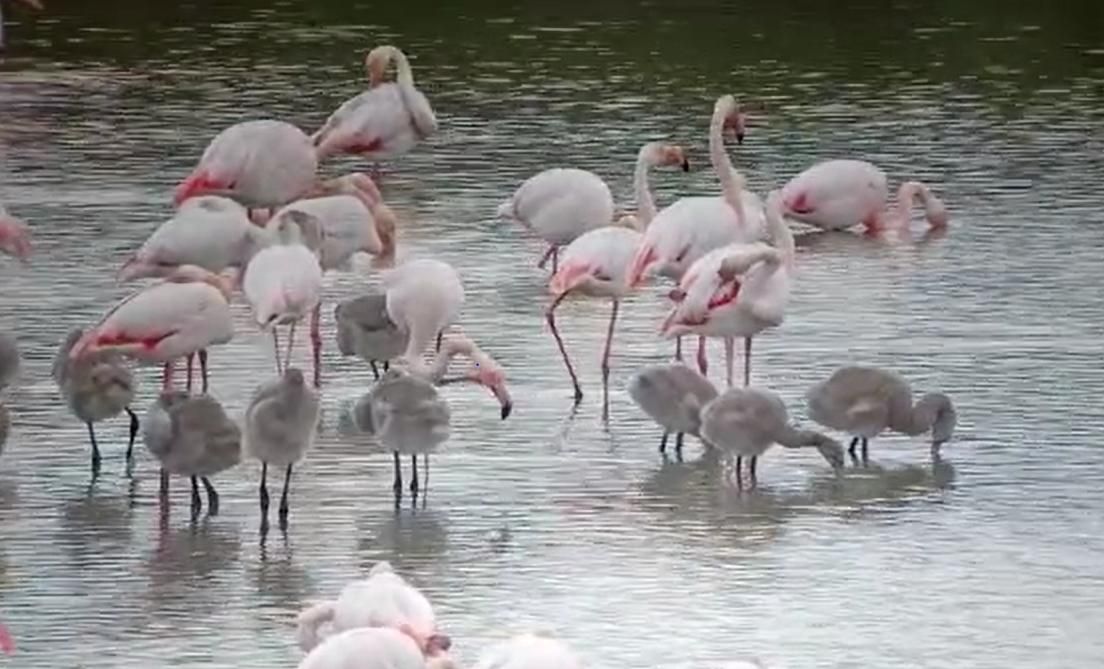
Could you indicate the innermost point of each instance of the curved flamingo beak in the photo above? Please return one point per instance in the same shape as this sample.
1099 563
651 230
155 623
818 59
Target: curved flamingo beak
507 404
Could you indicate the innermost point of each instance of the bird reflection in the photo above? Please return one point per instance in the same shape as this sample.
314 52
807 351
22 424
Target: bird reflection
408 539
94 525
183 565
280 579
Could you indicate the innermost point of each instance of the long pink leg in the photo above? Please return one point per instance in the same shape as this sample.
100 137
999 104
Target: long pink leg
167 376
747 361
730 345
703 366
291 345
550 315
191 359
316 343
276 345
605 363
873 223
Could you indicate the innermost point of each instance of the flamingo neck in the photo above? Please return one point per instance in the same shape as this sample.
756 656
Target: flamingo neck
731 181
404 76
906 197
645 204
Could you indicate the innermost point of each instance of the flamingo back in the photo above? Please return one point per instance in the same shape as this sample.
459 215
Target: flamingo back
406 413
836 194
560 204
384 599
366 648
283 283
530 651
424 296
375 124
597 263
857 399
673 395
347 224
744 421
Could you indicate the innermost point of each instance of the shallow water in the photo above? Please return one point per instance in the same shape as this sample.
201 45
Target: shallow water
549 519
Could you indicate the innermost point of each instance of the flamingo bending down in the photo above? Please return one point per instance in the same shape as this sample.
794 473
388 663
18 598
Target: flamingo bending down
192 436
376 648
745 422
353 218
383 122
207 231
864 401
737 290
384 599
673 395
283 281
423 297
839 194
597 263
96 387
407 413
183 315
279 430
262 163
15 237
525 651
690 227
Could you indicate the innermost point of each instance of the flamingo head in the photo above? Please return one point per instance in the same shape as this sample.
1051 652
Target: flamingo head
483 371
434 647
935 211
673 155
15 237
376 63
734 124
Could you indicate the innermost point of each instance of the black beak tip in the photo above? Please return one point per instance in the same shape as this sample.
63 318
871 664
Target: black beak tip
739 138
506 409
686 166
442 641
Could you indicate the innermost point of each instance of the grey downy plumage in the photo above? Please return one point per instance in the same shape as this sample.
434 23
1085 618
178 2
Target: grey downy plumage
673 395
365 330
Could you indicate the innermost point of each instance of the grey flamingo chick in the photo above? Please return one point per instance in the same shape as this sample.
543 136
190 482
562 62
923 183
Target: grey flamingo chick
279 430
673 395
407 413
193 436
96 387
745 422
365 330
864 401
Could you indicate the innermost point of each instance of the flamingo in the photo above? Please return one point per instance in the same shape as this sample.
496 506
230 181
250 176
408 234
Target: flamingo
423 297
839 194
384 599
408 415
673 396
864 401
33 4
745 422
15 237
527 651
279 430
737 290
352 219
208 231
193 437
376 648
96 387
560 204
7 644
261 164
283 281
690 227
386 121
596 264
183 315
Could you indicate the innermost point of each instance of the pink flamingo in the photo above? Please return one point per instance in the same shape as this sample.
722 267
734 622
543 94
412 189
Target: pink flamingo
179 317
839 194
15 237
423 297
353 217
260 164
208 231
737 290
689 228
283 281
386 121
7 644
597 263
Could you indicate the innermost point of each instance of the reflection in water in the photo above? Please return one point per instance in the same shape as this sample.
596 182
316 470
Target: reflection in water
409 539
186 565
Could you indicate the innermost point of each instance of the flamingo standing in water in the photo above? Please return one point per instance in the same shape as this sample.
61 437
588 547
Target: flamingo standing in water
839 194
423 297
283 282
261 164
737 290
352 217
597 263
15 237
183 315
689 228
386 121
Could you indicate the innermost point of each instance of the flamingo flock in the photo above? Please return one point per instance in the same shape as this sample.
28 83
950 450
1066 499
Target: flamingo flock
254 221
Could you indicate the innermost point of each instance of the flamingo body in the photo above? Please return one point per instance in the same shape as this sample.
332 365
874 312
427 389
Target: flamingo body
423 297
263 163
366 648
530 651
347 224
560 204
597 263
377 124
283 283
836 194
